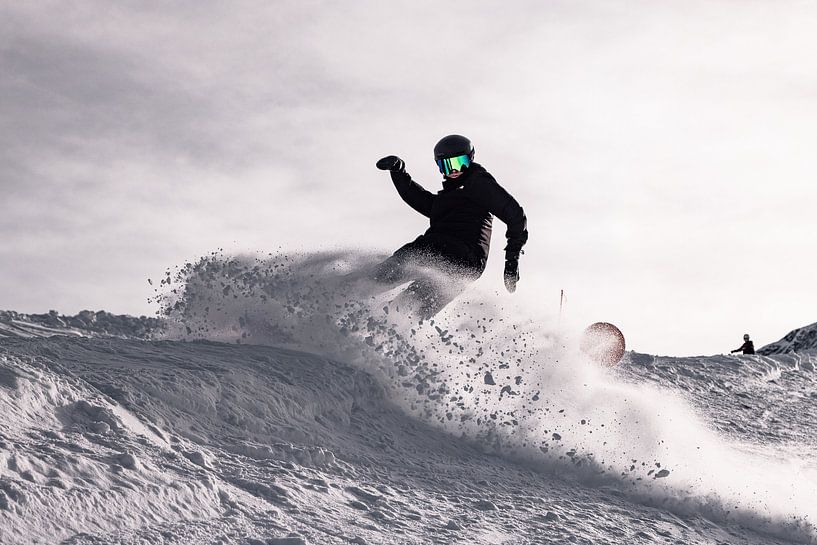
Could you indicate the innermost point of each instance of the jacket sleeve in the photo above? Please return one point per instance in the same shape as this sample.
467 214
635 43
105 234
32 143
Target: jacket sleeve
413 193
501 204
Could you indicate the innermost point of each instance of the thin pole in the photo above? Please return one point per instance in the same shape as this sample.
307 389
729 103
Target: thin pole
561 303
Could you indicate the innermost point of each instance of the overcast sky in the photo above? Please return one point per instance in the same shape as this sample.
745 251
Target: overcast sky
663 151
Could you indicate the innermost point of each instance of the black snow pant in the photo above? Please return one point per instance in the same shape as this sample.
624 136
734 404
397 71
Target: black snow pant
444 254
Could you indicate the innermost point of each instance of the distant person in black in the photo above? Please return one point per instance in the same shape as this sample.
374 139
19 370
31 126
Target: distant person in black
748 346
458 240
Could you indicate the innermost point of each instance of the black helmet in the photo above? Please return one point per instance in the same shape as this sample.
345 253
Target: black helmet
453 145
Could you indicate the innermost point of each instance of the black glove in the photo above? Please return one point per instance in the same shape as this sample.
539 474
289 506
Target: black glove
511 272
392 162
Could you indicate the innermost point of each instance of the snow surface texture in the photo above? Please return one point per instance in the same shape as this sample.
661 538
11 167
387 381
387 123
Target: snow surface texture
84 324
341 419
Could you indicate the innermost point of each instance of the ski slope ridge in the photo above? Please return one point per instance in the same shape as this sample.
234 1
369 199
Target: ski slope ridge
798 340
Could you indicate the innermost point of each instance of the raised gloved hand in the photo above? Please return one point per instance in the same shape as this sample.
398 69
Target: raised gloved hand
392 162
511 272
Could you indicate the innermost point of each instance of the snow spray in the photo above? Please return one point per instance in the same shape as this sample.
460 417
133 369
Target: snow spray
514 384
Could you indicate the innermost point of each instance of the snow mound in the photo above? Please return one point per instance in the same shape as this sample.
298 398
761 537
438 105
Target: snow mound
132 434
109 440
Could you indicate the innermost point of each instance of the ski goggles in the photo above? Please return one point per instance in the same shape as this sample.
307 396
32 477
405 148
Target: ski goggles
450 164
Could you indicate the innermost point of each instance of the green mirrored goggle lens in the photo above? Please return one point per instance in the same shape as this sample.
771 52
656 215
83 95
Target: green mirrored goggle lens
450 164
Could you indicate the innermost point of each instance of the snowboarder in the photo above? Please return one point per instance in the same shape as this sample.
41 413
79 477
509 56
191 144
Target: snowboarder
748 347
458 240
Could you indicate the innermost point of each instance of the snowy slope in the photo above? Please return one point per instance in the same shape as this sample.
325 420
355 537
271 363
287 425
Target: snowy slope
326 415
798 340
132 441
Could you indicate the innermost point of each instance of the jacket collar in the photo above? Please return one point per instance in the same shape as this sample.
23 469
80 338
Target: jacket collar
449 184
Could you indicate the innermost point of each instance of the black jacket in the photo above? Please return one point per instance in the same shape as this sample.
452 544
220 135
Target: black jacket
747 348
464 208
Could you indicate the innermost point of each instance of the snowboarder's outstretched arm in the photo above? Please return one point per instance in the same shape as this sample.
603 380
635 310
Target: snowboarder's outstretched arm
747 348
410 191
